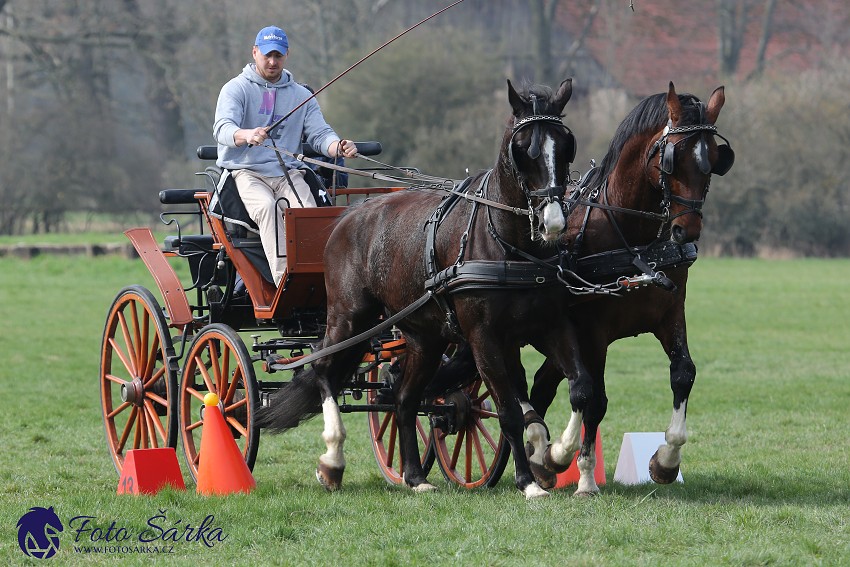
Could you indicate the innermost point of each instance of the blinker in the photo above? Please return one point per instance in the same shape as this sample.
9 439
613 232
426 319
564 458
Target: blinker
668 158
701 151
725 159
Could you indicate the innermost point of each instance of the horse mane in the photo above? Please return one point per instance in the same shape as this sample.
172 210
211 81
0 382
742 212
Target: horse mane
650 114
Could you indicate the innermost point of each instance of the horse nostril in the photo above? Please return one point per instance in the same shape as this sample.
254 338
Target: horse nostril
678 234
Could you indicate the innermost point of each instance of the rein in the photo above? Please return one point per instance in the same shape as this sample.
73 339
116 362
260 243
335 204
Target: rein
435 183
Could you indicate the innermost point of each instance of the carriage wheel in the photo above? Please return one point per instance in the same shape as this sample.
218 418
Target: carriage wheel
218 362
138 376
384 433
477 454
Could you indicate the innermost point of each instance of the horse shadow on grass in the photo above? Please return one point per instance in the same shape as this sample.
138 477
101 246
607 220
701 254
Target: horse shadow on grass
762 488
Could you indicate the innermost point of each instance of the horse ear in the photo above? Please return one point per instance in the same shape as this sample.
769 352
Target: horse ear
562 97
674 105
715 103
516 101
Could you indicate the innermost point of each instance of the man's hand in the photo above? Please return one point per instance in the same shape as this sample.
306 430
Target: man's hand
346 148
253 137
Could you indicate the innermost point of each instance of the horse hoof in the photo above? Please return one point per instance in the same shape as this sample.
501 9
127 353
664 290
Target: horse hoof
533 491
551 465
544 477
660 474
586 493
329 477
423 487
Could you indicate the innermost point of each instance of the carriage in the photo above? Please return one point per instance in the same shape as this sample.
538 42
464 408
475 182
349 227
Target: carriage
505 295
225 328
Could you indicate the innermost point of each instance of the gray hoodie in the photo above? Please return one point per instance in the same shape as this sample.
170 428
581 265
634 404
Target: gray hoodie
248 101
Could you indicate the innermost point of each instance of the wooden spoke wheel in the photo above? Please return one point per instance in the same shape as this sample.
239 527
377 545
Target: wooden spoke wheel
384 431
473 453
138 376
219 362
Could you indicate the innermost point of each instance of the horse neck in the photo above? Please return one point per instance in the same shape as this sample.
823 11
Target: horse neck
629 187
504 184
504 187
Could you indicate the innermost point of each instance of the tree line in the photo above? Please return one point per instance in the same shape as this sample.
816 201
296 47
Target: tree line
104 101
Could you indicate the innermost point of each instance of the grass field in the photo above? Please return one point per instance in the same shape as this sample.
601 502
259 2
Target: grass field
766 469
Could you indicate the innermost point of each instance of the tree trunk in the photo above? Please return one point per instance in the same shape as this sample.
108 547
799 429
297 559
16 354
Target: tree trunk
542 20
766 32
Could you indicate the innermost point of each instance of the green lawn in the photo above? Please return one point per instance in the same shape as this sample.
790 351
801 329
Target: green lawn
766 468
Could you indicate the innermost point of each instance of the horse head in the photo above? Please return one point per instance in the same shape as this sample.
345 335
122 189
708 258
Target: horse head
687 155
538 150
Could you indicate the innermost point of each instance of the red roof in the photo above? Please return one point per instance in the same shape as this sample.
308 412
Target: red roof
664 40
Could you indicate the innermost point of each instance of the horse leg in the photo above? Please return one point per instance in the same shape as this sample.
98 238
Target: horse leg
565 355
420 365
538 440
664 464
332 462
536 431
594 352
333 371
497 373
546 381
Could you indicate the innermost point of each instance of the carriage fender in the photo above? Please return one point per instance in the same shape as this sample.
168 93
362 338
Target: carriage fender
176 304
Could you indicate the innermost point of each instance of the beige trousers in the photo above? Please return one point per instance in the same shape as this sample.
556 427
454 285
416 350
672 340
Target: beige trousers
261 198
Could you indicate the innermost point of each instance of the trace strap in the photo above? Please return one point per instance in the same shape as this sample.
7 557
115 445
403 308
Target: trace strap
385 324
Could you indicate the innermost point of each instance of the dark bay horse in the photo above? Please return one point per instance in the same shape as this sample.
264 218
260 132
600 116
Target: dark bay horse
387 253
660 162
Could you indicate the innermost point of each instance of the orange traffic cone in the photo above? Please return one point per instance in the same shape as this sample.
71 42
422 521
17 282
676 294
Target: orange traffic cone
222 469
571 475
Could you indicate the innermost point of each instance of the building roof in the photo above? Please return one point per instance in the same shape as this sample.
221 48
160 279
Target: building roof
664 40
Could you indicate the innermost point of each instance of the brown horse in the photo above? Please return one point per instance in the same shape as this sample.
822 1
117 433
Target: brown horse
457 254
649 191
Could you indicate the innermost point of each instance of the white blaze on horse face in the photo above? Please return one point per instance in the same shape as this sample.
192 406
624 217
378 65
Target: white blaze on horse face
333 435
553 215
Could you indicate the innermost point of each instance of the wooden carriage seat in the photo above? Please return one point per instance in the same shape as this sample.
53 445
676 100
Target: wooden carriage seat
306 232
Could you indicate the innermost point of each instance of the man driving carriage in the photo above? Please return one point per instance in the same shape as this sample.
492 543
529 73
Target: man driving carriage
247 106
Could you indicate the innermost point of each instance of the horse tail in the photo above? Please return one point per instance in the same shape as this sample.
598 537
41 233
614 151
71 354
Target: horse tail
295 403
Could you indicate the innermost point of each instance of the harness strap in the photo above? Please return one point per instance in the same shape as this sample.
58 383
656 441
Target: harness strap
432 282
494 274
377 329
602 266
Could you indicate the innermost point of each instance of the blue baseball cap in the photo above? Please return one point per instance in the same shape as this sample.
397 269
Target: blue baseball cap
272 38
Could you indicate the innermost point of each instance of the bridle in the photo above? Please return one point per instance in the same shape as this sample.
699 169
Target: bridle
554 193
666 151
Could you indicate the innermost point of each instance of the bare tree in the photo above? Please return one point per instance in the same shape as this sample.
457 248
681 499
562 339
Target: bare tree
155 43
734 20
542 18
